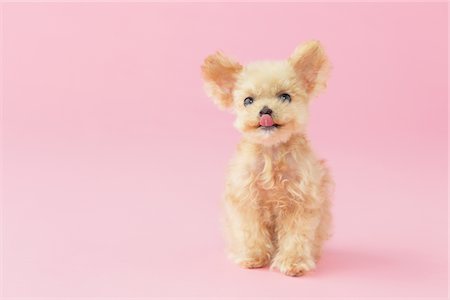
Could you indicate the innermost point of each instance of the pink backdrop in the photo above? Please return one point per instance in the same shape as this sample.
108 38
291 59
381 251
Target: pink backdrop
106 192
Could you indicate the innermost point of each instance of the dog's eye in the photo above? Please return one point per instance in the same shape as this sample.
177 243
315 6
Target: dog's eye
285 97
248 101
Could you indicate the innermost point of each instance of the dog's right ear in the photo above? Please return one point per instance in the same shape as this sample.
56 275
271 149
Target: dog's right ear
220 73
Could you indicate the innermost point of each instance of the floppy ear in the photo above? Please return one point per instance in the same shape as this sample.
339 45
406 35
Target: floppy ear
311 66
220 73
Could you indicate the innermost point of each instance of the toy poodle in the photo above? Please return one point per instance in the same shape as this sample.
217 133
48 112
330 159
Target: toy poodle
277 196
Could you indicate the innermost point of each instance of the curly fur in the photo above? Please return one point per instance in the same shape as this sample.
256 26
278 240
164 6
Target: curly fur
277 199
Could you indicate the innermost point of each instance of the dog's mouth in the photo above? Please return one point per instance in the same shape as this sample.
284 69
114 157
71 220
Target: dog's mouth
266 122
267 128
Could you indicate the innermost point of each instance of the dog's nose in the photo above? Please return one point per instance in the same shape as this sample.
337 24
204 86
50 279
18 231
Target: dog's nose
265 111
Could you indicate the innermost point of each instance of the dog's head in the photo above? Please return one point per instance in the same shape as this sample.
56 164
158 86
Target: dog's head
270 98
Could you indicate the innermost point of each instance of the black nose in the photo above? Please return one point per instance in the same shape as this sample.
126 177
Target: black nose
265 111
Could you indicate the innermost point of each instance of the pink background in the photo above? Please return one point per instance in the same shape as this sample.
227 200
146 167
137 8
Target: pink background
108 192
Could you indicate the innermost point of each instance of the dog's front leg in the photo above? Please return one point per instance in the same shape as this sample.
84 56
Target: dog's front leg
249 238
296 230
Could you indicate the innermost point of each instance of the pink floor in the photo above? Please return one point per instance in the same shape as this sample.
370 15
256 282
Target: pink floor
114 159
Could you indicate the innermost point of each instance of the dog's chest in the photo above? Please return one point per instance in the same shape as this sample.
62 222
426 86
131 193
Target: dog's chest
276 170
278 182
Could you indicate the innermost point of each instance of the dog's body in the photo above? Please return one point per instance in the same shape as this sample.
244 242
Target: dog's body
277 200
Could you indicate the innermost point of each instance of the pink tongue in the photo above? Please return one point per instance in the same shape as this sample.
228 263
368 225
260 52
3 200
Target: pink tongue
266 120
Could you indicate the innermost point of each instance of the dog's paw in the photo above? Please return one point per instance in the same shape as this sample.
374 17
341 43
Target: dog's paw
293 266
252 262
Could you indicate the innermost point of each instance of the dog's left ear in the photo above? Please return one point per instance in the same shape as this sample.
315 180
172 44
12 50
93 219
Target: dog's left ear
311 66
220 74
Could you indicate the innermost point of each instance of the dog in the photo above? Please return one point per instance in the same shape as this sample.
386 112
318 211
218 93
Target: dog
277 195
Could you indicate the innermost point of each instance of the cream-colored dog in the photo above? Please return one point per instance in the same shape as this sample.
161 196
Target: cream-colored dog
277 206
